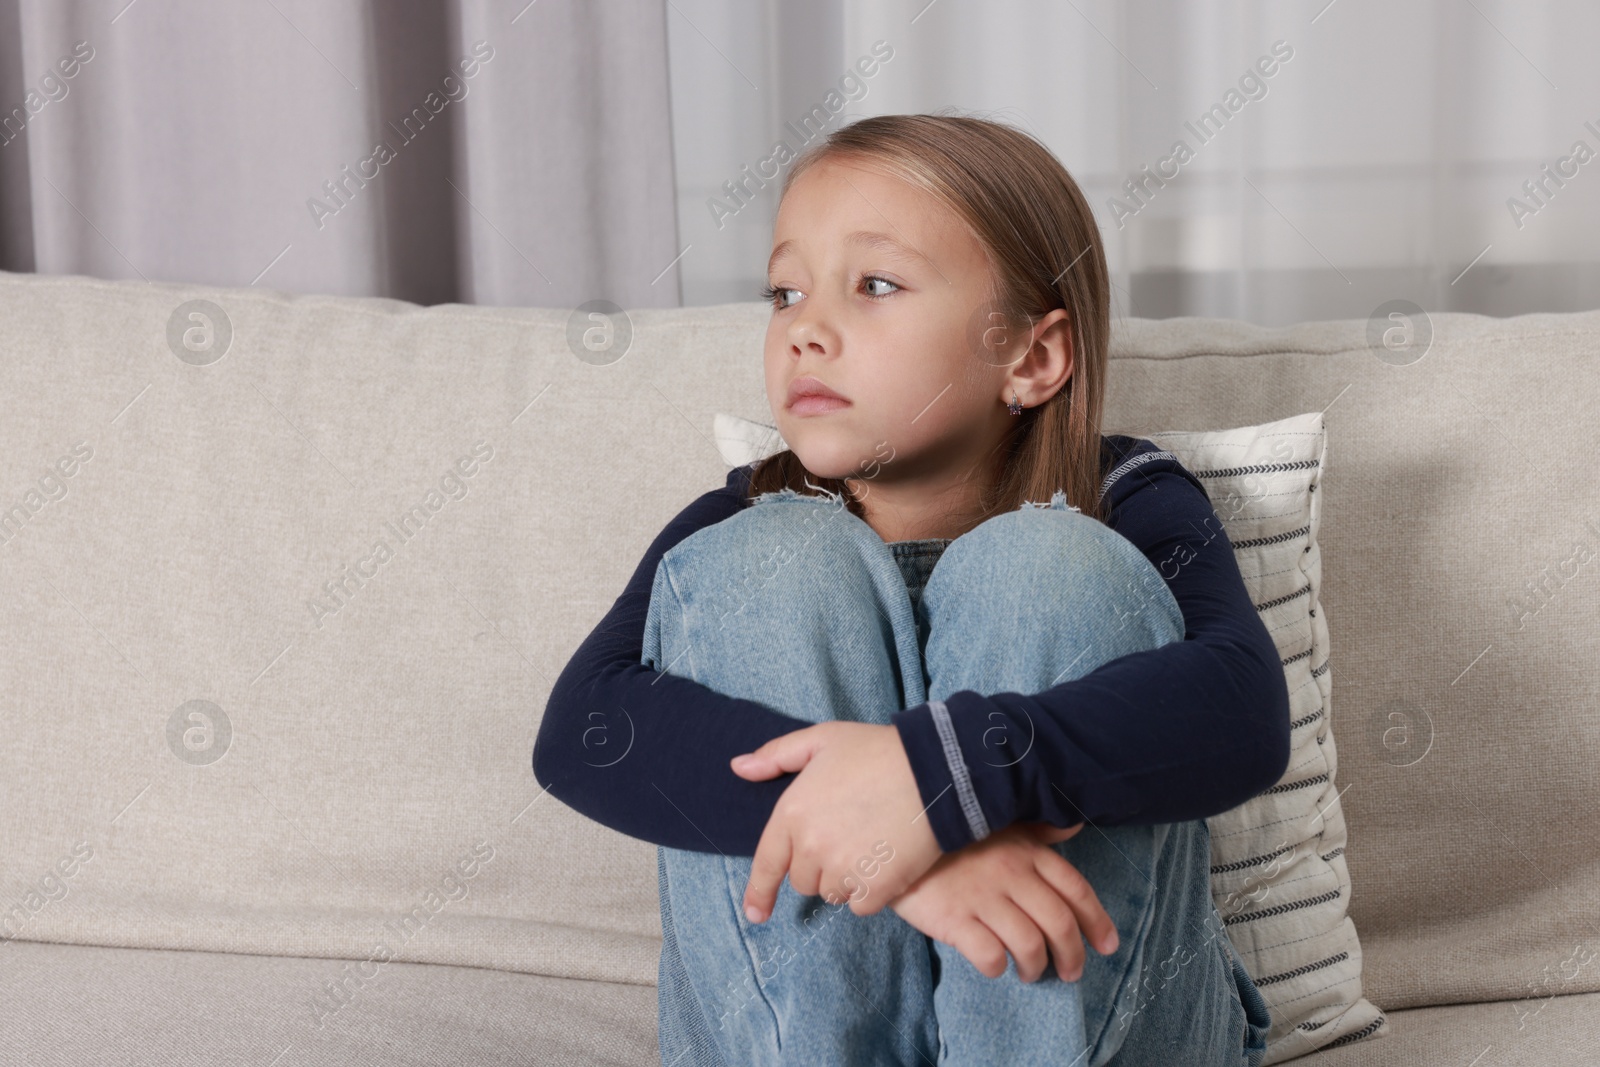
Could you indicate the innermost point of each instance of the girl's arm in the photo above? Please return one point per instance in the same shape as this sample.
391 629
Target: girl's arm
1181 732
646 753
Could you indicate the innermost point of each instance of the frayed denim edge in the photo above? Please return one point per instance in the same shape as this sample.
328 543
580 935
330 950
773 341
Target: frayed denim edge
1058 502
836 499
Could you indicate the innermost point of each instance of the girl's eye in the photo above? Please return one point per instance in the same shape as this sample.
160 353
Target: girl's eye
770 295
870 278
773 295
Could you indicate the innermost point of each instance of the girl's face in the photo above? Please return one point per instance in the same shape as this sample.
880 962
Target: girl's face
878 289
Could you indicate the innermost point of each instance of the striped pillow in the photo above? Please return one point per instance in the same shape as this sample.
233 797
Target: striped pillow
1278 874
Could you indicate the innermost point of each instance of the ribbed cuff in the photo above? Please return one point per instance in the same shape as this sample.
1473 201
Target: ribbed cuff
948 797
957 765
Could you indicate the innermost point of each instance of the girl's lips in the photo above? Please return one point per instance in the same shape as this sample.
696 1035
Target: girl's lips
817 405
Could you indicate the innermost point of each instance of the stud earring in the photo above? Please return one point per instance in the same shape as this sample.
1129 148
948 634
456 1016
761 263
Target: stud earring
1015 407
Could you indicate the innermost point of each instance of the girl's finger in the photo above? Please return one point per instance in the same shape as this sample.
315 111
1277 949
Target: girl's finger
982 949
767 868
1055 919
1043 831
1020 935
785 754
1080 896
805 876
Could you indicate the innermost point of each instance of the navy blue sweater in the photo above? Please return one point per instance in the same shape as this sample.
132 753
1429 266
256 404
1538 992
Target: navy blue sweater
1181 732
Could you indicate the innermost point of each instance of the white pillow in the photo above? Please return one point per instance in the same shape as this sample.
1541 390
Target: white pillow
1278 873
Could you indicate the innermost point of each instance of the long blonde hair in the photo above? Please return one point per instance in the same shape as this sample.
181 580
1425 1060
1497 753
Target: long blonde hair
1045 252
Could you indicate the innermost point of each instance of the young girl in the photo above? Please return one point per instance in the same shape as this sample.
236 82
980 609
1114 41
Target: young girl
957 637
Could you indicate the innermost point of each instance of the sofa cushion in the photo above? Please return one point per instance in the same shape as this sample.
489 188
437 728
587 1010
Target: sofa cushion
68 1005
76 1004
1491 1034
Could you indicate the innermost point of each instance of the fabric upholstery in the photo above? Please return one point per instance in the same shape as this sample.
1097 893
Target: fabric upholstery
67 1005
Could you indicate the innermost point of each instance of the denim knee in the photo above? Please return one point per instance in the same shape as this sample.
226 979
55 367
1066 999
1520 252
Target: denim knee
1022 549
793 601
744 554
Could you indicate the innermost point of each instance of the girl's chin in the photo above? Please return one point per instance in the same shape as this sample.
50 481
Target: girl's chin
832 460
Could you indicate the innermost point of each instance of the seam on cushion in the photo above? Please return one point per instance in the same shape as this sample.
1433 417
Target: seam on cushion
1255 353
1327 869
1346 980
1330 933
1274 822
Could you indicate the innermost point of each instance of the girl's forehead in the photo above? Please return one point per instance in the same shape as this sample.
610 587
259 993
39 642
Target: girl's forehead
850 190
866 211
886 246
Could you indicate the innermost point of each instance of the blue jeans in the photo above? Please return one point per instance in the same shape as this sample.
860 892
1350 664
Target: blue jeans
799 604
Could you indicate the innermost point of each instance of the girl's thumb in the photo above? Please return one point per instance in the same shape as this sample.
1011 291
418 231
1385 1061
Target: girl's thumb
786 754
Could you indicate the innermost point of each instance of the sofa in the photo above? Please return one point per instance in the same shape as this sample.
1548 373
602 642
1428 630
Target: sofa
285 581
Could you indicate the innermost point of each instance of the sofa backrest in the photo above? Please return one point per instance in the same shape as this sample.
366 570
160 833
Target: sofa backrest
280 623
1461 571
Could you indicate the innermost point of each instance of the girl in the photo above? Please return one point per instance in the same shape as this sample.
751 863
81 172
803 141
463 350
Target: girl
948 628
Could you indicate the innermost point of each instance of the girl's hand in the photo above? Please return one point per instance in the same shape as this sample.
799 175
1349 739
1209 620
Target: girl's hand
852 819
1011 892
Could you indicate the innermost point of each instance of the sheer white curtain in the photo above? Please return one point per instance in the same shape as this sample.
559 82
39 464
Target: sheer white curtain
474 151
1441 151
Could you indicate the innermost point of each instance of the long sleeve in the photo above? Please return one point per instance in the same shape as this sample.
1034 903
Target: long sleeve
1181 732
646 753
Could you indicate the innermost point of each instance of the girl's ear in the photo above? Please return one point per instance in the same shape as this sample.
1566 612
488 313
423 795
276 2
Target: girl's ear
1047 365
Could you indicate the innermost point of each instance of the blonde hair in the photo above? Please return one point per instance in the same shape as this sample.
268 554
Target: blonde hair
1045 252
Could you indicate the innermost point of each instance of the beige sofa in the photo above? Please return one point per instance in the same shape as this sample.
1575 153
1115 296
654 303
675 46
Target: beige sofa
265 787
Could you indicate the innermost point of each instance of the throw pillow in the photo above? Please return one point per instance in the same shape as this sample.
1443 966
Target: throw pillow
1278 872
